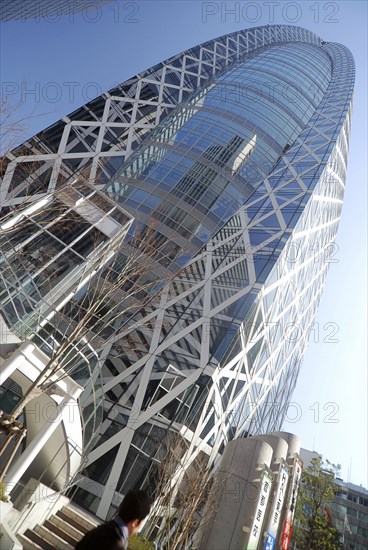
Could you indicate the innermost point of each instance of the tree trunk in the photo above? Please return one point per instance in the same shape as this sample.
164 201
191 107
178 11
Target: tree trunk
33 391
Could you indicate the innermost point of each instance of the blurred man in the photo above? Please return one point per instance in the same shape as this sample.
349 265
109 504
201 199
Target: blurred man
114 534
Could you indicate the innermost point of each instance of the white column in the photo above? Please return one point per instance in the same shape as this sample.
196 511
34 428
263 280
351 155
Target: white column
25 460
17 358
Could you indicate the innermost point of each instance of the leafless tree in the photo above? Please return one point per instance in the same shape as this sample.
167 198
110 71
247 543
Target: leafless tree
13 126
185 496
118 279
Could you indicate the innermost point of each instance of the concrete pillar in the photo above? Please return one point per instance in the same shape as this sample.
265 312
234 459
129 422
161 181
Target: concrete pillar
292 440
235 495
35 446
279 449
17 358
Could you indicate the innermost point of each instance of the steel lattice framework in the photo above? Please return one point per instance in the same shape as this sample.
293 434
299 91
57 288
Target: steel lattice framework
243 384
97 138
219 356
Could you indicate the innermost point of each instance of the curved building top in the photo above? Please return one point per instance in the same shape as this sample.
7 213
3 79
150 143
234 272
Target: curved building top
98 137
194 171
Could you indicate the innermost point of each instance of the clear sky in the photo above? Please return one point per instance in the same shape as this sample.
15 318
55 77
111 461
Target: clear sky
51 67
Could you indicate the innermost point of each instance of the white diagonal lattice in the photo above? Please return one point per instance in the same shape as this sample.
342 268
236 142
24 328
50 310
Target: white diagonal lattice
232 327
219 355
97 138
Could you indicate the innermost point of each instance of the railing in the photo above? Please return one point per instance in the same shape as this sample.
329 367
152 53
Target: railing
47 503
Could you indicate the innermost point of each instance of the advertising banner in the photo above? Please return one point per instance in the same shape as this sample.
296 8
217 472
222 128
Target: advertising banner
276 509
291 503
264 495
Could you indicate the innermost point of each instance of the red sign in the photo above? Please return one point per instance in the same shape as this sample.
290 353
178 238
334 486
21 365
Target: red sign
291 504
286 534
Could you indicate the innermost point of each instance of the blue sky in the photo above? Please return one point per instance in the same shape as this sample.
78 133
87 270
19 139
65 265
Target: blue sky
51 67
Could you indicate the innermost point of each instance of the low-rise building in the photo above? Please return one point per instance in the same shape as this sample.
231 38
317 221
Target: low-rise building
350 513
349 510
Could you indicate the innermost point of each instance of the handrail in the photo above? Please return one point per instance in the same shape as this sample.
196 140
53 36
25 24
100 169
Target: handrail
54 494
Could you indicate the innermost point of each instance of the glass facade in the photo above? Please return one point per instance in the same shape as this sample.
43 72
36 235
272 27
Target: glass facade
49 249
196 169
233 155
237 318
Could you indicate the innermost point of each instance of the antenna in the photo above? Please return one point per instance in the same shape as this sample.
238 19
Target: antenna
349 471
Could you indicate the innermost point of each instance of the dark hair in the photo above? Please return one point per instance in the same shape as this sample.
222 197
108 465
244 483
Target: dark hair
135 505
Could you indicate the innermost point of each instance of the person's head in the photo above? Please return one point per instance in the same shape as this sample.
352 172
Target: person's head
134 508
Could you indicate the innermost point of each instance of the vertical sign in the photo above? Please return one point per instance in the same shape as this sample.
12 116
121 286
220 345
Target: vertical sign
275 514
264 495
290 505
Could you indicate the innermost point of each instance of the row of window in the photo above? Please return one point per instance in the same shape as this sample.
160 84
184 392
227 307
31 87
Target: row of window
363 501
